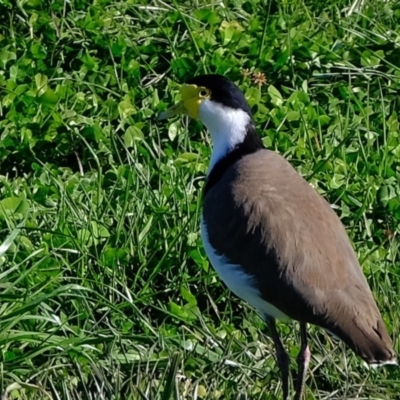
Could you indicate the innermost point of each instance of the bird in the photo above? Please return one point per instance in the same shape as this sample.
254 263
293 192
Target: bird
273 239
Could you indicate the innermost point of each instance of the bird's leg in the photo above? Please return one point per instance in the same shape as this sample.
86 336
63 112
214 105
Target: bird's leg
303 359
281 356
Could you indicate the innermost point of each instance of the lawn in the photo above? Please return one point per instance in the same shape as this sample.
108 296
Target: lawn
105 290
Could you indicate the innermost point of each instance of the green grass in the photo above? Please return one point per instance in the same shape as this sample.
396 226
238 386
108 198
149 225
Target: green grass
105 291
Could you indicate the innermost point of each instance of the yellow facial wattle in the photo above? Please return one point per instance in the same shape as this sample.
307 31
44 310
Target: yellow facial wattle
191 100
192 96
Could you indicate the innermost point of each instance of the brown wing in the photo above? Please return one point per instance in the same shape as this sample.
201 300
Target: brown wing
288 237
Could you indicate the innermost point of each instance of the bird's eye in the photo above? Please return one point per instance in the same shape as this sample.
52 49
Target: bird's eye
204 93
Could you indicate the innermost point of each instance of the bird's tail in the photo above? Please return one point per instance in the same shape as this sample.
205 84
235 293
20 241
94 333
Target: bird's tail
370 341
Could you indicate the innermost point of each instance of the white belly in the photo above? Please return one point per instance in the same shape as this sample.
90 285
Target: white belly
237 280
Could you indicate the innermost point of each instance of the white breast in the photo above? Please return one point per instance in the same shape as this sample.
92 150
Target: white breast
237 280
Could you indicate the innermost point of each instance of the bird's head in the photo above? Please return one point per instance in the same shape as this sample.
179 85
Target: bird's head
212 99
221 106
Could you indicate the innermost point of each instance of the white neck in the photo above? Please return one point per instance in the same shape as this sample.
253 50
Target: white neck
227 127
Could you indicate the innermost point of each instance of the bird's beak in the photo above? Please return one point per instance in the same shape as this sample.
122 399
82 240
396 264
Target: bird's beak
172 111
189 104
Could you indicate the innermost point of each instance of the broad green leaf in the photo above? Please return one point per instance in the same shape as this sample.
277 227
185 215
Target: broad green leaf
230 30
12 205
173 130
126 109
49 97
372 59
276 97
293 116
132 135
188 296
14 72
99 230
38 51
207 15
41 83
8 99
253 96
89 61
6 56
185 158
323 120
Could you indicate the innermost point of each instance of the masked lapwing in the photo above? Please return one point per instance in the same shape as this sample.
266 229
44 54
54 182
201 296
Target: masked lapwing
273 240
